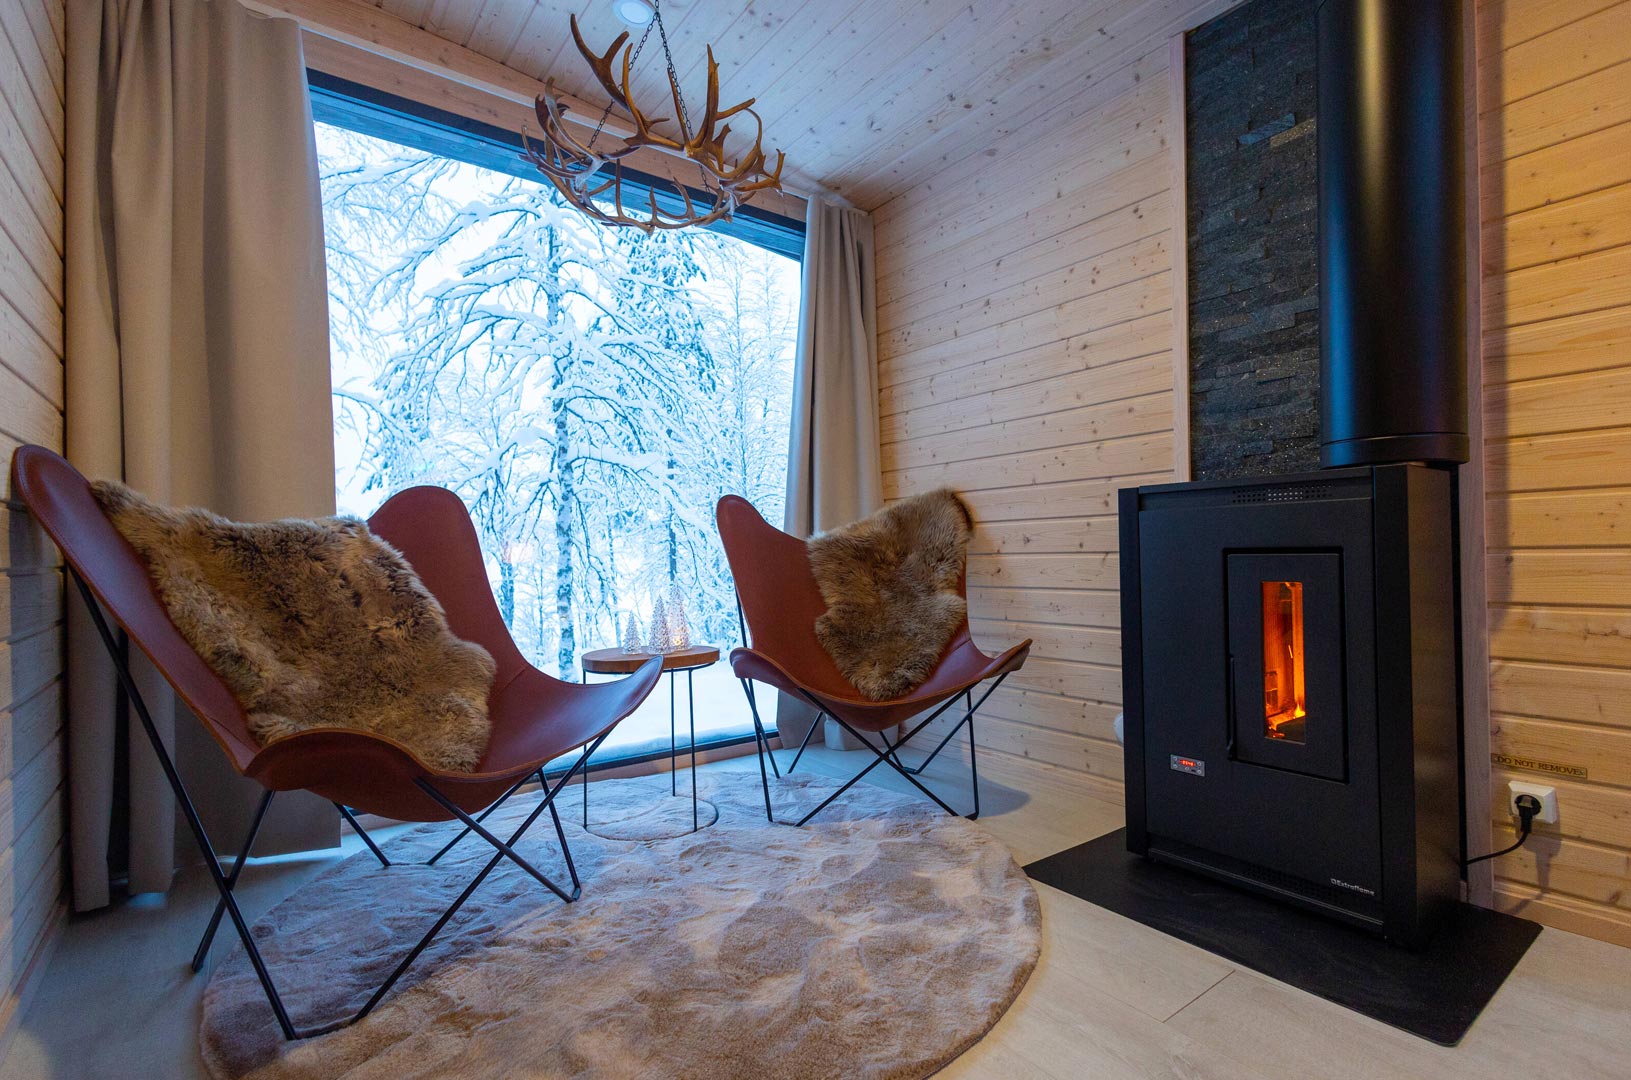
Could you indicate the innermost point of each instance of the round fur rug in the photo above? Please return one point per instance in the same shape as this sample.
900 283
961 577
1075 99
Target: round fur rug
881 940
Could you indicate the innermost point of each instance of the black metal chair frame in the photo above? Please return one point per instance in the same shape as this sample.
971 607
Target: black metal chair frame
225 882
889 755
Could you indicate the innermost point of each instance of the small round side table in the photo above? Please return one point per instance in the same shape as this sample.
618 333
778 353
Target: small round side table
690 659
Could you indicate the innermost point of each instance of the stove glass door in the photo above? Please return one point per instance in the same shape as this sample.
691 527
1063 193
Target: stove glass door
1285 706
1285 661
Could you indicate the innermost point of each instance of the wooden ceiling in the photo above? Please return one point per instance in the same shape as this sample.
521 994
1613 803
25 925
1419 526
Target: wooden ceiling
867 97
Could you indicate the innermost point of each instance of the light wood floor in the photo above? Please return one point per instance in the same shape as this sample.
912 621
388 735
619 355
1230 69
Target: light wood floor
1110 998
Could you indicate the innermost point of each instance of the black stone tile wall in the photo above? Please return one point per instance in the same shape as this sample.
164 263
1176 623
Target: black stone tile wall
1253 259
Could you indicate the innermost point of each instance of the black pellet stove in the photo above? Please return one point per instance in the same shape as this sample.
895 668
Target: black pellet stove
1290 649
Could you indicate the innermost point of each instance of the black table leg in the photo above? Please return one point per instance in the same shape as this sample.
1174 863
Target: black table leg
673 780
691 708
586 772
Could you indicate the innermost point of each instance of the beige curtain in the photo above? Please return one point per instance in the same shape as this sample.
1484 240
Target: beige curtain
834 474
197 364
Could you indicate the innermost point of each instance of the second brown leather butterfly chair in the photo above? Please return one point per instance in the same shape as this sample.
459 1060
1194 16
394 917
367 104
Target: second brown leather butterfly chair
536 719
780 603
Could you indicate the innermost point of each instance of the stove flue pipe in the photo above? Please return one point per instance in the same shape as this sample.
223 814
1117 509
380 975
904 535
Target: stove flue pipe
1393 377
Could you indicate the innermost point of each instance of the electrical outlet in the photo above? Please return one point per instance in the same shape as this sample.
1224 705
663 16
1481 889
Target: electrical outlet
1545 793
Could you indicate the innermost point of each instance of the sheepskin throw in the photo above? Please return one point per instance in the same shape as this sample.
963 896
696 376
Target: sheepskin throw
314 624
891 586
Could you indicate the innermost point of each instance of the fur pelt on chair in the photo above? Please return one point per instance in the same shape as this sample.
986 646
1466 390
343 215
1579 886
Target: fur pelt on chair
892 586
314 624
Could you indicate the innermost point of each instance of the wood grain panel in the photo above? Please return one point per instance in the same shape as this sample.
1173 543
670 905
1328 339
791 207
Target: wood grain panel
1067 212
1055 535
1561 577
39 114
1556 519
1572 636
1040 501
980 205
30 602
1559 743
1101 609
31 394
1593 342
1554 290
1591 872
1115 457
1586 695
1040 369
1088 682
1555 140
1553 462
1121 57
30 727
1598 399
1136 377
1032 742
1595 222
1596 41
953 285
1124 303
1095 719
1025 359
1052 641
993 49
29 355
1049 571
1067 427
1505 24
1119 266
1558 172
1576 107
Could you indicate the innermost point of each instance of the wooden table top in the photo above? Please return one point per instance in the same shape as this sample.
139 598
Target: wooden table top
618 662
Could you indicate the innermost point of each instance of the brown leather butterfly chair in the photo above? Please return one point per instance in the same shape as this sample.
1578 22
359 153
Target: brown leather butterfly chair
535 718
780 603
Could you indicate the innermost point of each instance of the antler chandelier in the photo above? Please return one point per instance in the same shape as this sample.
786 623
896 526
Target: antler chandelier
590 178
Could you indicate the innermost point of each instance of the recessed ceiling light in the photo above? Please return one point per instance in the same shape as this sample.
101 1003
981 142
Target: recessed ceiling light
635 13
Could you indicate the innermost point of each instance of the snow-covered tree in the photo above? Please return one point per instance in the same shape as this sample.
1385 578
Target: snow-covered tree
588 392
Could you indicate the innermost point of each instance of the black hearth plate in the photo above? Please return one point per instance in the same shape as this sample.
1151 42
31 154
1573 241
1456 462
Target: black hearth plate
1435 993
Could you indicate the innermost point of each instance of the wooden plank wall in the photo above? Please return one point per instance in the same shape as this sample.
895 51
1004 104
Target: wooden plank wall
1025 358
1555 170
31 593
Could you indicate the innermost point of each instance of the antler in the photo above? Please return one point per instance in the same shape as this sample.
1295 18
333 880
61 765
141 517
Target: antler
574 166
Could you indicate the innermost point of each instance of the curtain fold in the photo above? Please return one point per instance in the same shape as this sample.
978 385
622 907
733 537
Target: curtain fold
834 473
197 365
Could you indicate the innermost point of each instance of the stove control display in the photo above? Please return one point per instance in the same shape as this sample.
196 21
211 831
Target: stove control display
1193 766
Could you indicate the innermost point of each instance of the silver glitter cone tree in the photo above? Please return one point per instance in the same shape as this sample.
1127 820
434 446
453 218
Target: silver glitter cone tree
659 626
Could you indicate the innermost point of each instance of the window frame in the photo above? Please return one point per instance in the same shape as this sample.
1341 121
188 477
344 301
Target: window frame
343 103
363 109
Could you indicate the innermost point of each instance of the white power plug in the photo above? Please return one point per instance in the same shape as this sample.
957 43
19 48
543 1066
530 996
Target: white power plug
1543 792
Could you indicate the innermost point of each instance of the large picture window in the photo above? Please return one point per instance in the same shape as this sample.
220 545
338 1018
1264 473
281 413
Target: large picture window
589 392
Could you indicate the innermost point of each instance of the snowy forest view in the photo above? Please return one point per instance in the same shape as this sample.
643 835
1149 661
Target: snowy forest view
590 392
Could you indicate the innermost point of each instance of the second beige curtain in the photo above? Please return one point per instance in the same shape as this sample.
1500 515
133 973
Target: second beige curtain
834 473
197 363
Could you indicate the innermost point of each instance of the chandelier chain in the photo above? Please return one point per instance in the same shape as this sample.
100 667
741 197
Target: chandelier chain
668 58
638 47
673 76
